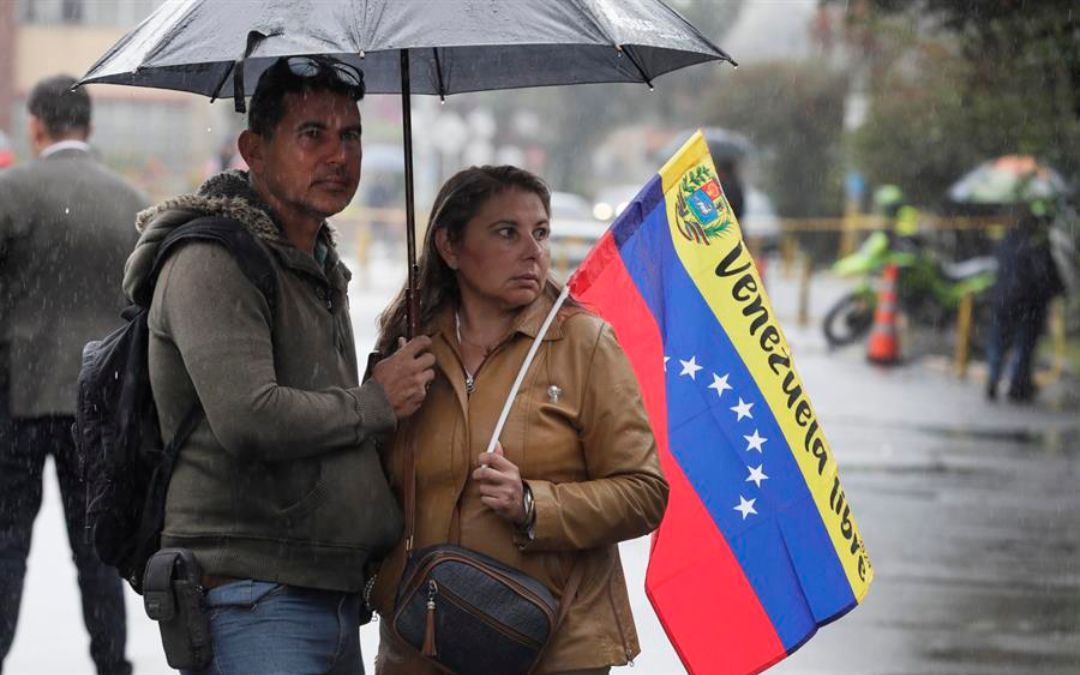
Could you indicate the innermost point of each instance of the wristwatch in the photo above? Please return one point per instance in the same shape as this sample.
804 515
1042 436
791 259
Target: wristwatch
530 508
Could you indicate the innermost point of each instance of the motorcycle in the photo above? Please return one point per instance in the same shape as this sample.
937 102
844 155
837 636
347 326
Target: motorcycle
929 290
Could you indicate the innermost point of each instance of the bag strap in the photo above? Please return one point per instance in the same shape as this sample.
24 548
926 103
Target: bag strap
525 367
149 529
253 261
250 256
183 432
577 572
409 488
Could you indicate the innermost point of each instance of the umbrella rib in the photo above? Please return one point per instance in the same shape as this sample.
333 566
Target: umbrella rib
438 74
626 50
224 79
585 11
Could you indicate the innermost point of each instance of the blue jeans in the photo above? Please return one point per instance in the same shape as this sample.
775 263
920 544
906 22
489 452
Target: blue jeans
264 628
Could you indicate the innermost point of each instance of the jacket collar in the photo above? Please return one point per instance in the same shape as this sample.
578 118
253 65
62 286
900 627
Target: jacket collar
68 148
229 194
527 322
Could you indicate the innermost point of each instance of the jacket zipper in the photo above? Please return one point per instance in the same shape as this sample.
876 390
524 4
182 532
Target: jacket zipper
618 624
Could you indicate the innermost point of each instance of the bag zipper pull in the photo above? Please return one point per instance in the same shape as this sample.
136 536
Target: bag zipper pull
428 648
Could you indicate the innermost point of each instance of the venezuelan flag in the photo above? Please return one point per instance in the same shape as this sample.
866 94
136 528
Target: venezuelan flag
758 546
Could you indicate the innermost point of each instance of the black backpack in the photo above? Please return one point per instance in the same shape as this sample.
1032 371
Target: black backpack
125 469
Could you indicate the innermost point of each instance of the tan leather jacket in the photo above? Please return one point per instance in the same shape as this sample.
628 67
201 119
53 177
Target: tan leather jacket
579 435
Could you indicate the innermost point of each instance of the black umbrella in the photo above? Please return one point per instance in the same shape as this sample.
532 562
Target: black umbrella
724 144
436 47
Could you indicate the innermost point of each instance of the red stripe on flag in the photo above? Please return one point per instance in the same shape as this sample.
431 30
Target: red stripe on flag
696 585
701 596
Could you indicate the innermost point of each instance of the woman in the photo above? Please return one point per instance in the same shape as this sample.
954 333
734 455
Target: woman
576 471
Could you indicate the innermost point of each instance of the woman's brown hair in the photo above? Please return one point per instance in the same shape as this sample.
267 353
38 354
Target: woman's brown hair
458 201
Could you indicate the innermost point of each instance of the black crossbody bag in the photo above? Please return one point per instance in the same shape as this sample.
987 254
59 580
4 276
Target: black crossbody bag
466 612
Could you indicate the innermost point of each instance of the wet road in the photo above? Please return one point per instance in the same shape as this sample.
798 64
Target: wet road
969 511
974 536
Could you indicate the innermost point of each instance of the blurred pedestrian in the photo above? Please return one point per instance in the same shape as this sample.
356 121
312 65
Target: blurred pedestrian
579 471
66 226
278 492
731 182
1027 280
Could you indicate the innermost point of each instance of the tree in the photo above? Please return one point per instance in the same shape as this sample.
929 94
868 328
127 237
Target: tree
793 112
954 82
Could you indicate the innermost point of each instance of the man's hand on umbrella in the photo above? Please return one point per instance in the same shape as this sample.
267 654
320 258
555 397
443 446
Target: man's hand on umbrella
406 375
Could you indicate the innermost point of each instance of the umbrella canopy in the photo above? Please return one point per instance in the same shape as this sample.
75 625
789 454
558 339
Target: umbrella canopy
1010 179
440 47
454 46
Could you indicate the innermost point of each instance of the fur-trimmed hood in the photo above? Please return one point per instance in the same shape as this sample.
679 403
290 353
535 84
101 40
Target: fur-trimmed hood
227 194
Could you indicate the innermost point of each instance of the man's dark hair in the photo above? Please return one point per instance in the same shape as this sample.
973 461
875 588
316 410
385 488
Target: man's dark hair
58 107
268 102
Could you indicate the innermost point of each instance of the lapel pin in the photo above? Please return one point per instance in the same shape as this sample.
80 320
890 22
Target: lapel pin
554 393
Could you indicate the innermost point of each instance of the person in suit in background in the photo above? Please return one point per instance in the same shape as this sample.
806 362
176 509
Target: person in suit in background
67 224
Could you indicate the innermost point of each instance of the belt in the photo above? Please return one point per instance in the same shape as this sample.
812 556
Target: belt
209 581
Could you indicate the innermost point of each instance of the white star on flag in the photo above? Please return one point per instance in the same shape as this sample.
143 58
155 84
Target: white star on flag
743 409
757 474
754 442
666 359
746 506
719 384
690 367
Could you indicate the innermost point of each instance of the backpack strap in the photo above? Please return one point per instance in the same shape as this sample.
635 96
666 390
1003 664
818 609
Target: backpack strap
255 263
253 259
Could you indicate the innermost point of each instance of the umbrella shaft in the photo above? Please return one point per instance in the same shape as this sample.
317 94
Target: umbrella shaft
410 211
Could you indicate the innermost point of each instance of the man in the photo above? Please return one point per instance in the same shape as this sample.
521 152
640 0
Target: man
1027 281
279 491
66 224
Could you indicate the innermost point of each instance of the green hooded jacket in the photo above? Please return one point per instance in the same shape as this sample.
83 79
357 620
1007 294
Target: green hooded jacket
280 481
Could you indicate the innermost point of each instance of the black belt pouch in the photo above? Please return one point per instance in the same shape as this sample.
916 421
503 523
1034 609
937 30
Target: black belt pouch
173 596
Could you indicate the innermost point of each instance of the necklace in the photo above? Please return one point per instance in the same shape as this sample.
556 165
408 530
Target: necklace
470 381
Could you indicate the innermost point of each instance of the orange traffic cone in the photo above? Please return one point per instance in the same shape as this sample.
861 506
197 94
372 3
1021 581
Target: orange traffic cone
884 347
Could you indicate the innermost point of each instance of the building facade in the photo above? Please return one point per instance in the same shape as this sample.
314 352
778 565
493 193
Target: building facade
164 140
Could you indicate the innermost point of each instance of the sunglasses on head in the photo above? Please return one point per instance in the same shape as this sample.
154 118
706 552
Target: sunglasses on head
309 66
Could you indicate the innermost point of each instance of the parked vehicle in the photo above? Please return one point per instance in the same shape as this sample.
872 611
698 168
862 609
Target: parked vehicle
930 290
574 230
7 153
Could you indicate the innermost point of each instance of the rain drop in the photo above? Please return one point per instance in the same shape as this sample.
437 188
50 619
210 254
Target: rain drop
66 210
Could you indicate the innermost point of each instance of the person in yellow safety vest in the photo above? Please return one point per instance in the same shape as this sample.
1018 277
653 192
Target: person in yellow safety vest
903 219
